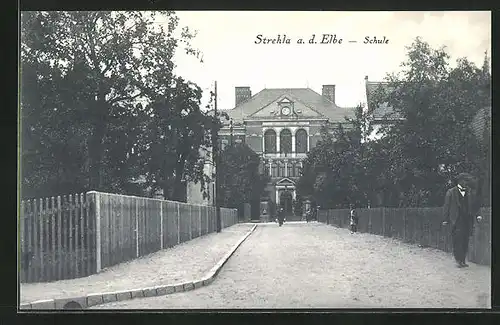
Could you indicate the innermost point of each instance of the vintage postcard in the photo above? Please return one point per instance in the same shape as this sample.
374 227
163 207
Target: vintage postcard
280 159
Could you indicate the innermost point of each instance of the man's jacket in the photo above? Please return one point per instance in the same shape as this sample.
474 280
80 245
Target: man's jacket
452 204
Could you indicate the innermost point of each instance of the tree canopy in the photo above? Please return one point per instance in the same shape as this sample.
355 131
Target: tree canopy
101 105
240 178
418 157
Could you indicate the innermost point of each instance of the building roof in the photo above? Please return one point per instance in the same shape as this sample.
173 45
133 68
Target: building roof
315 102
382 111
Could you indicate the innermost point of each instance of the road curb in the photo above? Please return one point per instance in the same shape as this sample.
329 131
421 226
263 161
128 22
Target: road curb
95 299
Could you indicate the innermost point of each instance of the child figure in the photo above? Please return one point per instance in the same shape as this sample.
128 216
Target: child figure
354 220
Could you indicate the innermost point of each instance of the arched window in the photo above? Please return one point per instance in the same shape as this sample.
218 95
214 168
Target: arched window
274 170
281 169
289 169
286 141
266 167
301 141
270 141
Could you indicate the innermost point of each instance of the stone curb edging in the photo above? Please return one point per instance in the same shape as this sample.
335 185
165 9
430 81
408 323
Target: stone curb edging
90 300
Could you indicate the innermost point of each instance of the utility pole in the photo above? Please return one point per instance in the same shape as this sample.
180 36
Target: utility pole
215 144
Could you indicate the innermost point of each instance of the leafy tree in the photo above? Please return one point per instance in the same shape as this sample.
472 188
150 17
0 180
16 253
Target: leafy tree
334 171
177 139
298 206
90 84
435 141
416 160
240 178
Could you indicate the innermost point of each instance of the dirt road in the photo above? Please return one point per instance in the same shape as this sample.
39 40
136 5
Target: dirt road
314 265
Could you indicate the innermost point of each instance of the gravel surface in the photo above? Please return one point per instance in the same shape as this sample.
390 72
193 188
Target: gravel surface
187 261
317 266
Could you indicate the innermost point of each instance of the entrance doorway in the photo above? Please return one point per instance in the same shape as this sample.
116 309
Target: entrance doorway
286 202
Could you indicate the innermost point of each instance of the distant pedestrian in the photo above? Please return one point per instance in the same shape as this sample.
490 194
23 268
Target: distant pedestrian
281 216
460 209
315 213
354 219
308 215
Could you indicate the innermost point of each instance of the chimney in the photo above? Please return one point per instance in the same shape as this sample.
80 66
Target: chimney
366 78
329 92
241 94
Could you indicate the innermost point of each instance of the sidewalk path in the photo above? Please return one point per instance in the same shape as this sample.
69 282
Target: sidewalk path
314 265
187 261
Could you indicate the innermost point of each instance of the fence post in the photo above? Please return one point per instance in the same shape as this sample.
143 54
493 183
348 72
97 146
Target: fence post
47 236
97 201
161 224
206 215
31 229
71 203
36 248
178 224
190 222
41 217
82 234
53 237
89 234
136 228
76 269
199 221
59 241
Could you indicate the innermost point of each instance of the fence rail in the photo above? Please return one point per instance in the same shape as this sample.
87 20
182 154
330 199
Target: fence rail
72 236
421 226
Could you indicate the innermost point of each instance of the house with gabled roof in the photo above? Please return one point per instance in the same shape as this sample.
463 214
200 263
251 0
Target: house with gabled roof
381 114
281 125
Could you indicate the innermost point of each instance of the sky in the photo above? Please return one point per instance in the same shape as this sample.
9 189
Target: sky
230 55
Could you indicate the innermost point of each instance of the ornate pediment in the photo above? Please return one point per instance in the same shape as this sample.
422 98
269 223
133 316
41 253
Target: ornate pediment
285 107
285 182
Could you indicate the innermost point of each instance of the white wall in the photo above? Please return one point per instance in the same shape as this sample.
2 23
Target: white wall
194 194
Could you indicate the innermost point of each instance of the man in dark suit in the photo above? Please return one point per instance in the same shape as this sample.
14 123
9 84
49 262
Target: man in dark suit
281 216
460 209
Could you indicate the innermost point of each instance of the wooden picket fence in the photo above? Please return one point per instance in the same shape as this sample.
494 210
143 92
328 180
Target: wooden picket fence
422 226
78 235
56 238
